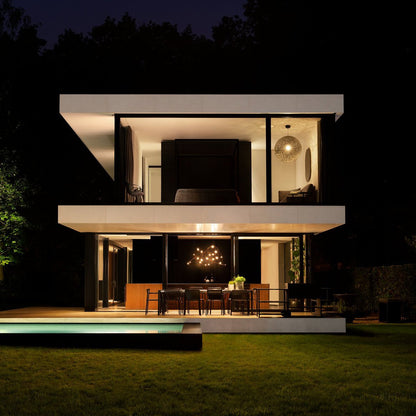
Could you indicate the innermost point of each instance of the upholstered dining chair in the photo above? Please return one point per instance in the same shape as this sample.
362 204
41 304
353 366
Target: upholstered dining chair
174 296
239 301
215 295
192 295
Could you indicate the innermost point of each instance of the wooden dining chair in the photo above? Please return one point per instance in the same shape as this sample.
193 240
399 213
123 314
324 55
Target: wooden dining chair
151 297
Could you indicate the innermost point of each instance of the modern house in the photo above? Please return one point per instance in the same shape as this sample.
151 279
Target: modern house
206 187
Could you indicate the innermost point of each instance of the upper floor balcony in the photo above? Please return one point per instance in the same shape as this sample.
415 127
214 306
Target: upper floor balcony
209 149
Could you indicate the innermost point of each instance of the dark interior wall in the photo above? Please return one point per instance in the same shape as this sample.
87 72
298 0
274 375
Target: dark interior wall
169 172
181 251
249 255
147 260
207 163
120 273
201 164
244 171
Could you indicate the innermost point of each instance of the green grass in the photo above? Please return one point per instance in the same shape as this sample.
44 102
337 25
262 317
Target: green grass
369 371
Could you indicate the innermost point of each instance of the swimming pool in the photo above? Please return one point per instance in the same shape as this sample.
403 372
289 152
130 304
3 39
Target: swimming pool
103 335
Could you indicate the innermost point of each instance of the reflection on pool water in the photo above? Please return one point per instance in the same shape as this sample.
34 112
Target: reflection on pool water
89 328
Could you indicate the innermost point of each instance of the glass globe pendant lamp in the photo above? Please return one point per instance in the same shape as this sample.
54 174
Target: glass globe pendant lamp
287 148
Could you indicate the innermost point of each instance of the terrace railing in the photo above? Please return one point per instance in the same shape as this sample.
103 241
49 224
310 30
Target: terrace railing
271 302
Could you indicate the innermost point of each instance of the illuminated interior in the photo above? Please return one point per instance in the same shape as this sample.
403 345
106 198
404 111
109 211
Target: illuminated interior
148 134
205 258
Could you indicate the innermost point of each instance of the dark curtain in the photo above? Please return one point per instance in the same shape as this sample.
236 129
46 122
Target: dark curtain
127 147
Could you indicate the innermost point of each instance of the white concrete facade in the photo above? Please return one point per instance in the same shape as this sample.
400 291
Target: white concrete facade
94 118
201 218
201 103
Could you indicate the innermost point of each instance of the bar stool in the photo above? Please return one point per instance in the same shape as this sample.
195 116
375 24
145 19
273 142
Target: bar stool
150 298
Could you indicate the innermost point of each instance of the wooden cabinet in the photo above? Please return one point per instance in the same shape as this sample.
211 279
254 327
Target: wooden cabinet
264 294
136 295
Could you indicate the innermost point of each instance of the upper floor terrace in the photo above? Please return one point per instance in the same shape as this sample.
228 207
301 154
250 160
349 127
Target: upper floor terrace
209 149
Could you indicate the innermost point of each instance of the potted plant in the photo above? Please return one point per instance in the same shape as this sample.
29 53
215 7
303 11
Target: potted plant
239 282
231 284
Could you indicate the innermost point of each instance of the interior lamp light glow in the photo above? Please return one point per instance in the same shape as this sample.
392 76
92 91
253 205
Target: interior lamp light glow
287 148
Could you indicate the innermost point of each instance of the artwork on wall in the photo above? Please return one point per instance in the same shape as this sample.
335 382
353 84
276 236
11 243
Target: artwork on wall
199 260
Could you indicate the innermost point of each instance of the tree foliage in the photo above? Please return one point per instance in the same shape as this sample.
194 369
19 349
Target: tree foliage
19 45
124 56
13 190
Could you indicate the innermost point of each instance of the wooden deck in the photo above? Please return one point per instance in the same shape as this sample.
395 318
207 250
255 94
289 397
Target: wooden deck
215 323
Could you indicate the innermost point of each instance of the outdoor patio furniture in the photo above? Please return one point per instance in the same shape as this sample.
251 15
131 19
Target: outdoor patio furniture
239 301
151 297
207 196
171 296
192 295
215 295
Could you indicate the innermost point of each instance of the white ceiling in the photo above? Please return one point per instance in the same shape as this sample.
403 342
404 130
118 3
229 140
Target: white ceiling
150 132
125 240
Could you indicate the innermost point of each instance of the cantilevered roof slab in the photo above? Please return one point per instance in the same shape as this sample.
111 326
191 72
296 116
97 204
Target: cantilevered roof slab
201 219
91 117
202 104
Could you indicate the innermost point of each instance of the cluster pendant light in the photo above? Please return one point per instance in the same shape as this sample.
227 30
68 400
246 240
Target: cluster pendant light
287 148
209 257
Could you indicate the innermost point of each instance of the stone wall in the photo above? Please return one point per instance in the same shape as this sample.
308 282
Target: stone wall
373 283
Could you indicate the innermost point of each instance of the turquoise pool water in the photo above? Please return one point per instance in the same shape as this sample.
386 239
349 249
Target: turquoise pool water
88 328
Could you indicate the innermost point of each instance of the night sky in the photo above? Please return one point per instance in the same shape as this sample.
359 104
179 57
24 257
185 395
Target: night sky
55 16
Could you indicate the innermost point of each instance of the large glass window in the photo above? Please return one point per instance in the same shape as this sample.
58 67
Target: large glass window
149 133
294 159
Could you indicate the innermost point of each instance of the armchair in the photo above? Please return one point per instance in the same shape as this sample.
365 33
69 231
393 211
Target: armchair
305 195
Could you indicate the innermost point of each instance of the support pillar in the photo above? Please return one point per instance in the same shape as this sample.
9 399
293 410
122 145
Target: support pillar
234 256
165 261
268 159
90 272
105 272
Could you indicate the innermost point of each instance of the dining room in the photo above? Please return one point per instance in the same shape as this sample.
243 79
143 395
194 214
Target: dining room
185 263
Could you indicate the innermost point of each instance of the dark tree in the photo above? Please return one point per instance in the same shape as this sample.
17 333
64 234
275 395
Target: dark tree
124 57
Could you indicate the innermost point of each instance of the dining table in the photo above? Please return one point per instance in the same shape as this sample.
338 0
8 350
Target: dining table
178 295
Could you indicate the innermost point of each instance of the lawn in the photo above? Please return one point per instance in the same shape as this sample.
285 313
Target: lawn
369 371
